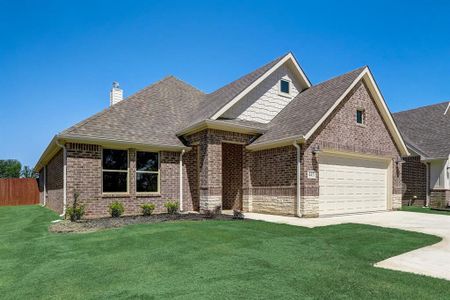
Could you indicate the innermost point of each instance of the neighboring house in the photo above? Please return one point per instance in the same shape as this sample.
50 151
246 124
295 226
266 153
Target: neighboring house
426 131
268 142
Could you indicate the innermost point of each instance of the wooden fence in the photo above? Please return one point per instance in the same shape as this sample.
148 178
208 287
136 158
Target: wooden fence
18 191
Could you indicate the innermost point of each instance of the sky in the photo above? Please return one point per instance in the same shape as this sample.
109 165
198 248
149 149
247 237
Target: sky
59 58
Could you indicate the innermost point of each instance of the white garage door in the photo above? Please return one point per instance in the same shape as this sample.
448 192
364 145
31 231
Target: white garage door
349 185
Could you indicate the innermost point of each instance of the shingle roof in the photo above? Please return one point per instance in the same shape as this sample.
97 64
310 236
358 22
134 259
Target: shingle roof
152 116
427 129
217 99
305 110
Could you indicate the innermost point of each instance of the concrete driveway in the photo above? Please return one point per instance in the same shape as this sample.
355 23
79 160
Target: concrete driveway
433 260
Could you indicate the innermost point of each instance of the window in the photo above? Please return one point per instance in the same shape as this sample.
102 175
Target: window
115 171
147 172
284 86
360 116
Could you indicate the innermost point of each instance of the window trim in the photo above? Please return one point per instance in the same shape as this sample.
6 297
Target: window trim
363 116
118 171
281 93
158 192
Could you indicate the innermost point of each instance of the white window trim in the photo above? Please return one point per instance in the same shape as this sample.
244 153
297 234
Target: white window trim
119 171
289 94
158 192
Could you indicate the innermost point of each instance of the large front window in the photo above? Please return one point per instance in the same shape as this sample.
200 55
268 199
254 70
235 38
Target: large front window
115 171
147 172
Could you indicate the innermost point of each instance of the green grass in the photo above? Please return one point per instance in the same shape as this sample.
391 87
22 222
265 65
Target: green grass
425 210
209 259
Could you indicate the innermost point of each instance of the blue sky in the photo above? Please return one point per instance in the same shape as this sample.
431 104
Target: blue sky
59 58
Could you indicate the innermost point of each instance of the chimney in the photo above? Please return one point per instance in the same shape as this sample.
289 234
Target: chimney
116 94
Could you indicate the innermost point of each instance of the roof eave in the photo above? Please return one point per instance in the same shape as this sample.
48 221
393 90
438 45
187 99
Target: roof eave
53 147
276 143
220 125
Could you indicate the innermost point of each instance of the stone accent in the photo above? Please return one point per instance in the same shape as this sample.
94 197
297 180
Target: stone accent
396 201
414 174
274 200
439 198
309 206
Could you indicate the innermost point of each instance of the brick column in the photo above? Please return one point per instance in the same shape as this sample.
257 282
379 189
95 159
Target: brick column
210 172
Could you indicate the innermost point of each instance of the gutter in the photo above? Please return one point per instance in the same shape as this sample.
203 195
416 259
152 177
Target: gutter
181 179
299 170
64 178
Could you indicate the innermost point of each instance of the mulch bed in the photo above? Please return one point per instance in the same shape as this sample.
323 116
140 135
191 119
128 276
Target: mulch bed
91 225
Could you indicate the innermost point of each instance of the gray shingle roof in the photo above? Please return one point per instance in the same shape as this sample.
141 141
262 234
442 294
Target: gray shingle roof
427 129
305 110
152 116
219 98
155 114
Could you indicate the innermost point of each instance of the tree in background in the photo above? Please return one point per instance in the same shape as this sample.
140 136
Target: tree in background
28 172
10 168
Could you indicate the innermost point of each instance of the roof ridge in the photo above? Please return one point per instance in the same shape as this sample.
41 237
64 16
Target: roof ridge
422 107
247 74
338 76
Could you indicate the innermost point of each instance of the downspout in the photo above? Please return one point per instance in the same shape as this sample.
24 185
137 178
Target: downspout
64 178
181 179
427 184
299 172
45 185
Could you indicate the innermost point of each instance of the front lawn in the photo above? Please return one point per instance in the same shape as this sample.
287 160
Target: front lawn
205 259
426 210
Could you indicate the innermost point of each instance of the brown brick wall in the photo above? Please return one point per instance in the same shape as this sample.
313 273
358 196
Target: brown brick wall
210 163
341 132
232 158
273 180
84 175
414 174
55 183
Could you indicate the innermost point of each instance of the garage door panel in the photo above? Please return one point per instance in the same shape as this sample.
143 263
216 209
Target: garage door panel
349 185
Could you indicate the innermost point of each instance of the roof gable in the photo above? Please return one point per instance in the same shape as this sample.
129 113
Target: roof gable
304 115
426 130
263 73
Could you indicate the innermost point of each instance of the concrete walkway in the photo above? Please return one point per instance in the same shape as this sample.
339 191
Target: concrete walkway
433 260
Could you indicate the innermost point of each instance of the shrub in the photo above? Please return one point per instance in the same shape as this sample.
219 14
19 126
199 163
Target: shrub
116 209
147 209
76 212
212 213
172 207
238 215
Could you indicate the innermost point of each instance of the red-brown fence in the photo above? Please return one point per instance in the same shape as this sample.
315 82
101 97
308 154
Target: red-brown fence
18 191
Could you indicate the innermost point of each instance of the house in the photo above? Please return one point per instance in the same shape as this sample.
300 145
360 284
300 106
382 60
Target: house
426 173
268 142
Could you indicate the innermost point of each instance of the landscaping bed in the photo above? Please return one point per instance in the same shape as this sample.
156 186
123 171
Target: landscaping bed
90 225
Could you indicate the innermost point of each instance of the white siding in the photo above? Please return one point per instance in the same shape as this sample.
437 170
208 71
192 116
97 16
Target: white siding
438 174
264 102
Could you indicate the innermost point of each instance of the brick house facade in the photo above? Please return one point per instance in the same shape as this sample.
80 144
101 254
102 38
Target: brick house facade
214 159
